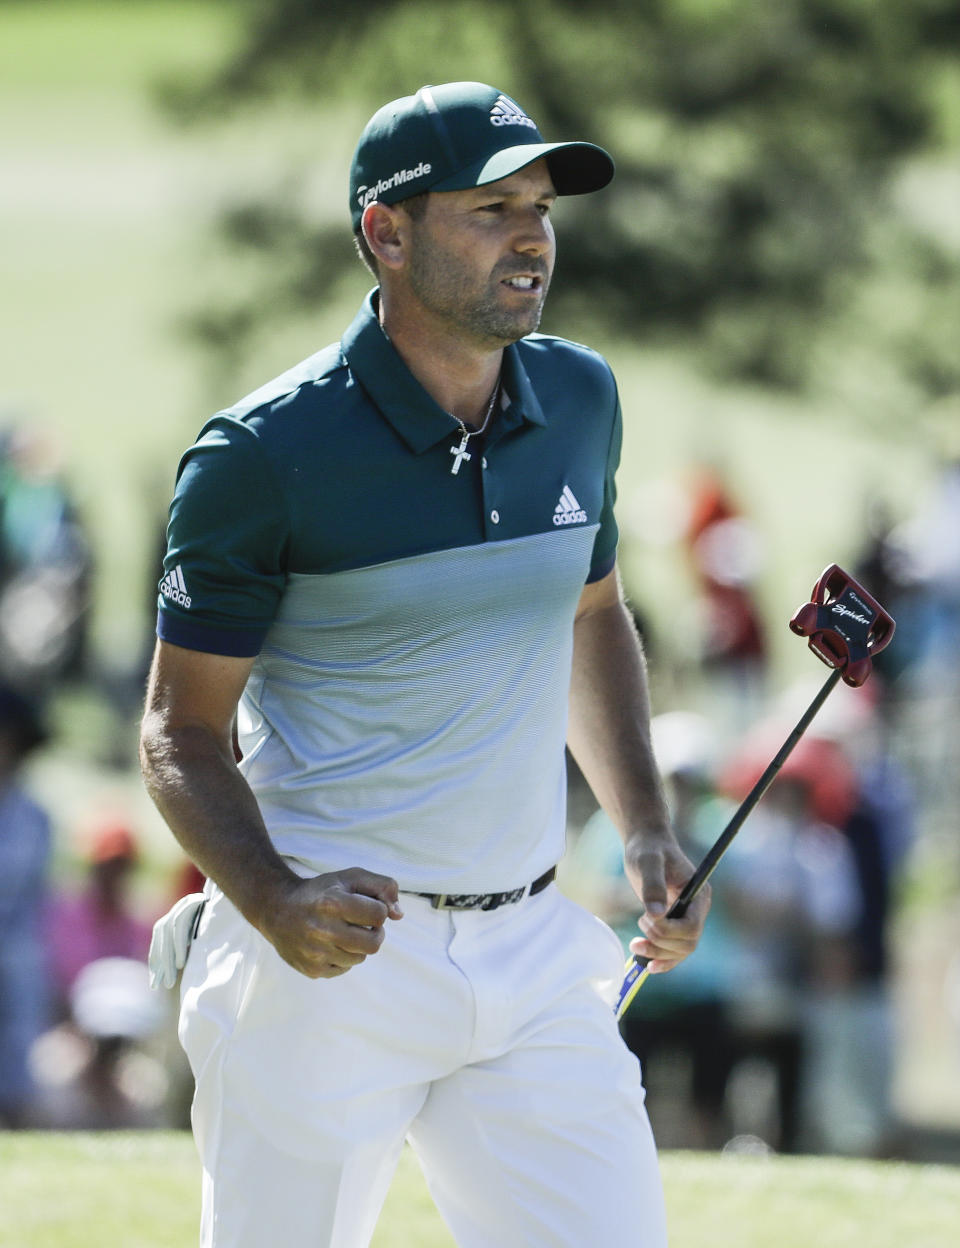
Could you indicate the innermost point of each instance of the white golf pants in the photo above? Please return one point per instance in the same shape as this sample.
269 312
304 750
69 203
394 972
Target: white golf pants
485 1038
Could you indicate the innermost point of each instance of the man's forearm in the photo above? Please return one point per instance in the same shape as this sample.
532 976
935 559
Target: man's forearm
211 811
609 737
609 729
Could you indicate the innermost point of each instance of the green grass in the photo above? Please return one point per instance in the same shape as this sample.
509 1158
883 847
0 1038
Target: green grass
141 1191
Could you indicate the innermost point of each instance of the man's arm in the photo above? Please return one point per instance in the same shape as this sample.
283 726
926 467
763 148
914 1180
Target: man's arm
609 736
322 926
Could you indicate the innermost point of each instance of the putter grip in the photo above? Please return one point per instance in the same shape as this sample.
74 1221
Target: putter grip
636 969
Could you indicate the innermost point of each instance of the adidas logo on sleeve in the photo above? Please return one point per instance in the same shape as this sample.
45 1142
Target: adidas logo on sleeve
568 510
174 587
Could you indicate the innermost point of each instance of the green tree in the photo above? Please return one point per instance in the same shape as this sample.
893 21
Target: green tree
759 212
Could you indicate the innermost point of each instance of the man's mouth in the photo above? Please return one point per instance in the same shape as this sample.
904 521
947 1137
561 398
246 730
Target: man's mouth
523 282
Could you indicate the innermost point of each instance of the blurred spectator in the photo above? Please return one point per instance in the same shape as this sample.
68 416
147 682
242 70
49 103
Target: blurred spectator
925 552
880 829
680 1018
929 547
94 1071
100 921
796 895
880 568
45 568
724 551
24 854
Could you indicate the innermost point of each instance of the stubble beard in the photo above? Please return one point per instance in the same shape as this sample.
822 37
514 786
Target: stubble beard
442 286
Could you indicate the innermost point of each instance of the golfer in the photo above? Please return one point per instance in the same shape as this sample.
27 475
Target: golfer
391 593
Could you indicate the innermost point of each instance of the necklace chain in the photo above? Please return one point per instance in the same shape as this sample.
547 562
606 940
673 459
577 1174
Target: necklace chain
460 453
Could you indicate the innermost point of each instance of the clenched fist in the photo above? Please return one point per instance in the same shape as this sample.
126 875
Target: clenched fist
326 924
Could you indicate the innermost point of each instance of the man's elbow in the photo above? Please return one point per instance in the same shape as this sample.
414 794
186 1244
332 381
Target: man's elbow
155 747
169 747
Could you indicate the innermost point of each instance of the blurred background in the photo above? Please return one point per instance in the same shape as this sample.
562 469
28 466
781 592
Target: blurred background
775 278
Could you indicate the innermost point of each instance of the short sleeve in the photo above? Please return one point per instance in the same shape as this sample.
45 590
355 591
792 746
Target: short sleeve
605 543
223 574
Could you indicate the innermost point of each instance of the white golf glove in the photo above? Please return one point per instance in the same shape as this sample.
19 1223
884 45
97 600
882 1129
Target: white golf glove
172 937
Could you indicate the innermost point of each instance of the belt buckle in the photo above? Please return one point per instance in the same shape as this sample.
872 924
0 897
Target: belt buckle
439 901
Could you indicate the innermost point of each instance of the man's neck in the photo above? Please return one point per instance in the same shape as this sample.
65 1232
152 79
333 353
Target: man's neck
460 376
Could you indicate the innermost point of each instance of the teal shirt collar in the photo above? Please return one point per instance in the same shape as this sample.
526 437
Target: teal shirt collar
394 390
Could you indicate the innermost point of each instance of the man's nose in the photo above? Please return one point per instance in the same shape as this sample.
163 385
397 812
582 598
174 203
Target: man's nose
535 236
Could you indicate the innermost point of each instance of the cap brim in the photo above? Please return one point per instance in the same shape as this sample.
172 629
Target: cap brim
575 168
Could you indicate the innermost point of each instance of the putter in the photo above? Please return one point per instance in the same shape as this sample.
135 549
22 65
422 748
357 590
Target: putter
845 628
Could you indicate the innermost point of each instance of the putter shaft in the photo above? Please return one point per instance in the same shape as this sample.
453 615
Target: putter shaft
637 967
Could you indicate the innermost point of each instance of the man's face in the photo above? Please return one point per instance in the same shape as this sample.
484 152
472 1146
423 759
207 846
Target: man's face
480 260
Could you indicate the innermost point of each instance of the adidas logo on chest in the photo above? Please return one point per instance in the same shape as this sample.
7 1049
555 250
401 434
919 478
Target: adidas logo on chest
568 510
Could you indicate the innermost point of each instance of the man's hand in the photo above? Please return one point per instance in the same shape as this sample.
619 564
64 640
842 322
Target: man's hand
658 871
327 924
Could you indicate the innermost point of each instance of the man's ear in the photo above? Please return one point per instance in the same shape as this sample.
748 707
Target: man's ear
382 227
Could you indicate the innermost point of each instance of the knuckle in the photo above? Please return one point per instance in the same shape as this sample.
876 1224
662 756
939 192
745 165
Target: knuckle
325 905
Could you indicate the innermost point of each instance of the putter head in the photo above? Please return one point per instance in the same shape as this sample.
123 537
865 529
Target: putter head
844 625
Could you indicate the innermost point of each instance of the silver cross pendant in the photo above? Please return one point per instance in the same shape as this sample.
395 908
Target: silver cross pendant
460 453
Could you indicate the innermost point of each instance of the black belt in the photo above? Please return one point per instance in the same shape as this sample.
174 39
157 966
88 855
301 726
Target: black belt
488 901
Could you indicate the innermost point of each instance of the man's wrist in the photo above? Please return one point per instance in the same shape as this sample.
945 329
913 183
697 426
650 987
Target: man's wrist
647 835
268 896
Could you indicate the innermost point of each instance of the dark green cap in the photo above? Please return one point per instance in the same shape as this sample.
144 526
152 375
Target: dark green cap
455 136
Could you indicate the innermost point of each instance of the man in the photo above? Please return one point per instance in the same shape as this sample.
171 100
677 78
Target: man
399 558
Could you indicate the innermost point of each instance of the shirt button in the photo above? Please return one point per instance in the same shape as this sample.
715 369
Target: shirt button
483 462
495 516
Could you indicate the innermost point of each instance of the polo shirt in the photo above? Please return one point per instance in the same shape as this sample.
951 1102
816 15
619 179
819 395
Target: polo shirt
411 627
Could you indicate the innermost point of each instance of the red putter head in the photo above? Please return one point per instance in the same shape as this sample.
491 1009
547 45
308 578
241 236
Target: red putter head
846 627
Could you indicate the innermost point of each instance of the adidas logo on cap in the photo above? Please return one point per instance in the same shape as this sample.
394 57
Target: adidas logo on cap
174 587
568 510
506 113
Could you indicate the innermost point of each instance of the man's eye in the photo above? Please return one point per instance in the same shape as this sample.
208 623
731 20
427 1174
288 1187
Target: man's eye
495 207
